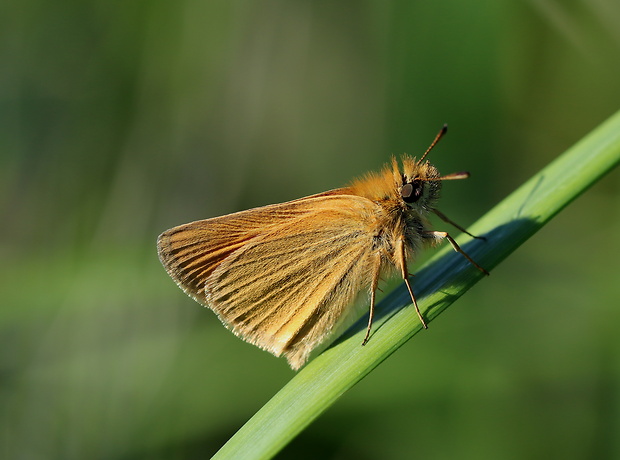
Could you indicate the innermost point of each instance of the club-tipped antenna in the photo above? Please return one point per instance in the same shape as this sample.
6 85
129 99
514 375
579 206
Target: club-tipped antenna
454 176
444 130
451 176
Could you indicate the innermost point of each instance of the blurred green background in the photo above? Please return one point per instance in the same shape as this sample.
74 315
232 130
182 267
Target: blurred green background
122 119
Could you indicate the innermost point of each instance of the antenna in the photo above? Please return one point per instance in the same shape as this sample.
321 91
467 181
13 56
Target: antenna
443 131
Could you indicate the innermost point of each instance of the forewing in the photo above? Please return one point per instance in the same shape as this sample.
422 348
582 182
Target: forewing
191 252
287 289
280 276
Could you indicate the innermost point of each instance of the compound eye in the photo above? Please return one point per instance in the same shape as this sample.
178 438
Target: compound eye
412 191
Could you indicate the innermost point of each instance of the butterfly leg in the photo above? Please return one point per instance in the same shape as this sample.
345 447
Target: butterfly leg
373 291
457 248
402 261
415 302
445 218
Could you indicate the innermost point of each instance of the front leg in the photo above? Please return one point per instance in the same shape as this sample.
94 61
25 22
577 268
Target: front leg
441 235
445 218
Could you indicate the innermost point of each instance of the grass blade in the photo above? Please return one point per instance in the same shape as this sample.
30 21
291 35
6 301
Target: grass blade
439 283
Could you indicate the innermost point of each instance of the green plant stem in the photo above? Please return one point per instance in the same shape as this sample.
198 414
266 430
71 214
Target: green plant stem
439 283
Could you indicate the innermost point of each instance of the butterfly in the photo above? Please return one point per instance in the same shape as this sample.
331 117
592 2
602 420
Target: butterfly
284 277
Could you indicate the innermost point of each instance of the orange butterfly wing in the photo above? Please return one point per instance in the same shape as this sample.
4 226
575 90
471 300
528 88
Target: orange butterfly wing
281 276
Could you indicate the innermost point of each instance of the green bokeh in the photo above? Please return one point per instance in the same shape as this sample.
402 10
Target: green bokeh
119 120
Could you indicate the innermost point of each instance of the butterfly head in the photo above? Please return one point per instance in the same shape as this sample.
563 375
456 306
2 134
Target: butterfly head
421 181
419 185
